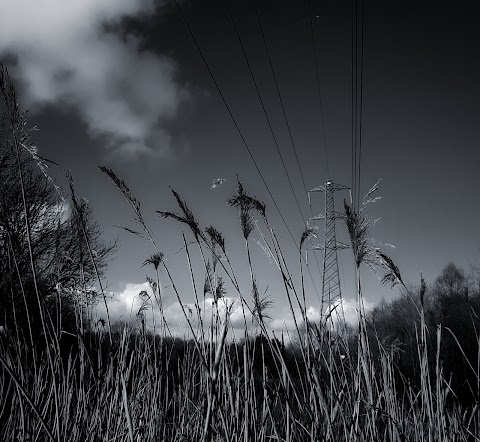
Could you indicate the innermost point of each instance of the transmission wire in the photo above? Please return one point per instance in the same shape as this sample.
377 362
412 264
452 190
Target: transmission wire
354 102
279 94
263 105
318 87
212 76
283 108
358 24
362 27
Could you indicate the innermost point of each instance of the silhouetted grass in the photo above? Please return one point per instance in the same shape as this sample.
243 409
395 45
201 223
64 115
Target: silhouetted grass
128 383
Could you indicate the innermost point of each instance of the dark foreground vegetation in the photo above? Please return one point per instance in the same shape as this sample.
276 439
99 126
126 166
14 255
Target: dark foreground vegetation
409 372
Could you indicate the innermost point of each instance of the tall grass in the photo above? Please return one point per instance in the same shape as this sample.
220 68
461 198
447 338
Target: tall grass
132 384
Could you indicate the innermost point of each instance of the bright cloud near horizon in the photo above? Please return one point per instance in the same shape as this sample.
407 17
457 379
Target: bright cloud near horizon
65 56
125 304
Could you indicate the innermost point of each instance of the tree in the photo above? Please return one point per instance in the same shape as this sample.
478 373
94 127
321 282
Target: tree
474 279
451 282
458 313
450 310
41 248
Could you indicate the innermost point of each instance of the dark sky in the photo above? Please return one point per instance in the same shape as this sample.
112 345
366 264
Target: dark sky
124 86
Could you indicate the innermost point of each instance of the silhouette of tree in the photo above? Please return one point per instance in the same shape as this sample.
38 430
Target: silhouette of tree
41 247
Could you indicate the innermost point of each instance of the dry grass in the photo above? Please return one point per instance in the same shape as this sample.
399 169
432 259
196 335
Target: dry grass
133 385
140 389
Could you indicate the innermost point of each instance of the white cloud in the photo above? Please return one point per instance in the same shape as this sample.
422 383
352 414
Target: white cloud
66 57
350 310
176 318
285 320
124 306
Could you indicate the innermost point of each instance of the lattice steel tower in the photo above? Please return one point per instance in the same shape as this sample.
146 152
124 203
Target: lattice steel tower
331 292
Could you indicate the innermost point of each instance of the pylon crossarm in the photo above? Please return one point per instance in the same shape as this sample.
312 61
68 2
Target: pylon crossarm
317 189
338 246
332 216
317 247
341 246
330 185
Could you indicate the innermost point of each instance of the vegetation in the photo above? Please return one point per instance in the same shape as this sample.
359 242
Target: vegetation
409 372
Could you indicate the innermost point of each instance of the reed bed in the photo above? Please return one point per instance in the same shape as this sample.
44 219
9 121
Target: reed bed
129 383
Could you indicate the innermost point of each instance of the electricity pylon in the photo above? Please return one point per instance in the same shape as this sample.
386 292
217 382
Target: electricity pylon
331 292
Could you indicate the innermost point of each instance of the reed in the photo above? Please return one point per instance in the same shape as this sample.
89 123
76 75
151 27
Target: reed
129 383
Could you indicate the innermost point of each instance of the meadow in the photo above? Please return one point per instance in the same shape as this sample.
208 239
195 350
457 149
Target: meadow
67 377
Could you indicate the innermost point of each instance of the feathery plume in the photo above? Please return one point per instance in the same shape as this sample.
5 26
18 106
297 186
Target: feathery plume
187 217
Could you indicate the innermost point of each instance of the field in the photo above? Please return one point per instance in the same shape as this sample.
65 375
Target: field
65 377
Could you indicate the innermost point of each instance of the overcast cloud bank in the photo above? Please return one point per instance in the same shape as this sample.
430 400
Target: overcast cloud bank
65 56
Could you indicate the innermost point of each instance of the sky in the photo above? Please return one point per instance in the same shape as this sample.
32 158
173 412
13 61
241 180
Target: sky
121 83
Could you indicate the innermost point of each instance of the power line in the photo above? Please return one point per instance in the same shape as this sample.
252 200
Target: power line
358 15
212 76
354 92
314 46
362 26
266 113
263 105
279 94
283 107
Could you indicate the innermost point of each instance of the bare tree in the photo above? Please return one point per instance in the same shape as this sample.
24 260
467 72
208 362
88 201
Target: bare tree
40 244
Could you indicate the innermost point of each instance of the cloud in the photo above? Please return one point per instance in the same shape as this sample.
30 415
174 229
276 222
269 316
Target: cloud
286 321
176 318
124 306
66 56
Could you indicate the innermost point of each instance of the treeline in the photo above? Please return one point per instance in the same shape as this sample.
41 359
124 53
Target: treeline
450 306
451 310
